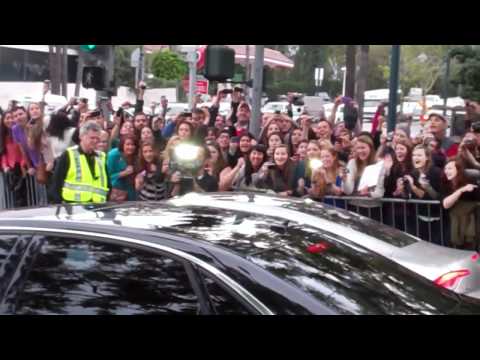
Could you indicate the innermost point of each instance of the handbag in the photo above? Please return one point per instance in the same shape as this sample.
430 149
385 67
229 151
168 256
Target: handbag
41 174
118 195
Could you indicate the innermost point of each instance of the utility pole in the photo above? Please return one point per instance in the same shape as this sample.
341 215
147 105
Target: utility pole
65 70
140 70
394 75
445 83
351 70
362 79
254 126
192 76
78 81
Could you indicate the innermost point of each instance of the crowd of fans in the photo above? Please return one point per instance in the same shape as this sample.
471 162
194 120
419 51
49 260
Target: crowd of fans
310 157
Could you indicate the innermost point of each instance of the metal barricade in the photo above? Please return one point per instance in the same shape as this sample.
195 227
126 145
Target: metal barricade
32 193
425 219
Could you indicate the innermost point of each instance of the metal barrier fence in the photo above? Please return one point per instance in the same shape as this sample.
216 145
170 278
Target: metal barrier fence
21 192
422 218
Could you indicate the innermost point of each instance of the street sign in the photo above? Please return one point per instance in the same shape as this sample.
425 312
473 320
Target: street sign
135 58
202 85
319 76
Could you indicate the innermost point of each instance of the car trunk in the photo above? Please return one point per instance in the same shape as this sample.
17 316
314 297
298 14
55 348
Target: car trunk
433 261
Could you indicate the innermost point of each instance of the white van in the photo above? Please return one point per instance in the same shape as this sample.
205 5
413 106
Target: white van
373 98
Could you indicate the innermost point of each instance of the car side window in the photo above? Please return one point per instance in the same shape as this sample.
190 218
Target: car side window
73 276
12 249
222 301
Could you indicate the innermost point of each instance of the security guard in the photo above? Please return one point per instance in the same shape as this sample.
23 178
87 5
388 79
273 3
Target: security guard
80 173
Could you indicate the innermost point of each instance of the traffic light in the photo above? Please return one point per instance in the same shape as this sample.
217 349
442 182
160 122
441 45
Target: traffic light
219 63
94 78
98 66
88 48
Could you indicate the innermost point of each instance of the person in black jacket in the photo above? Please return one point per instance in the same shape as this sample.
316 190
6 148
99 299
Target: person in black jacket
196 180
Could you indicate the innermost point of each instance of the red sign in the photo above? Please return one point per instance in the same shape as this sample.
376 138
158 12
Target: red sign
202 86
201 57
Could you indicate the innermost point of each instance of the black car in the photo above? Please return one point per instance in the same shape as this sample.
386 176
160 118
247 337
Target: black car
184 256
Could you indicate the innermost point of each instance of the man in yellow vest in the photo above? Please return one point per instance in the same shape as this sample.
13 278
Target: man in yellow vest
80 173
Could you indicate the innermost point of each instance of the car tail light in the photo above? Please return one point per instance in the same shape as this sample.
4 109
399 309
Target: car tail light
317 248
450 279
475 257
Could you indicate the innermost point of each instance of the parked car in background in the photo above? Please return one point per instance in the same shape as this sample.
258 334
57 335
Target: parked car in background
282 106
225 107
175 109
412 108
325 97
53 102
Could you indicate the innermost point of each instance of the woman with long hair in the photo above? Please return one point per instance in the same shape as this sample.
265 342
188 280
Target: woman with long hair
126 129
60 133
327 179
293 141
305 166
364 155
121 169
215 162
12 161
423 183
397 168
184 130
278 176
460 198
30 135
240 149
353 183
273 141
150 182
272 127
243 174
245 178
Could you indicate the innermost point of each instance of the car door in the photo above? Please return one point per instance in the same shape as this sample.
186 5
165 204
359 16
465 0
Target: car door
69 275
66 275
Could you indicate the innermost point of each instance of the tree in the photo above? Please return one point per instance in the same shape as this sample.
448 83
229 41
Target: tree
468 76
378 59
124 73
168 65
421 66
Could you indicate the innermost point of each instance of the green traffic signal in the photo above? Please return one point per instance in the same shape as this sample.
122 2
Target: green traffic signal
88 48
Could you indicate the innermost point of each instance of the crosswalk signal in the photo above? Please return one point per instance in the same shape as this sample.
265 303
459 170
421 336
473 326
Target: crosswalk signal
98 63
94 78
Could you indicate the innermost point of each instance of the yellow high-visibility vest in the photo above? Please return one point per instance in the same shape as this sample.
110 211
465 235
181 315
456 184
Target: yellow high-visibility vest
80 185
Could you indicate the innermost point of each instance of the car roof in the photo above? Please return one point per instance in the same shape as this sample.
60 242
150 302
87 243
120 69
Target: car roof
172 217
